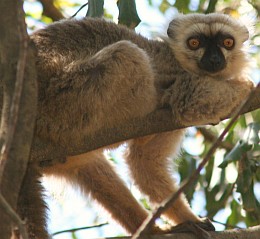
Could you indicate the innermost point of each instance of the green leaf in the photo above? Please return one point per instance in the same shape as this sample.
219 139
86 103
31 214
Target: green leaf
209 170
234 155
253 218
182 5
252 134
244 180
150 3
34 14
249 141
186 167
235 215
242 121
245 176
73 235
223 190
256 115
108 15
164 6
127 13
95 8
248 197
46 20
145 204
245 185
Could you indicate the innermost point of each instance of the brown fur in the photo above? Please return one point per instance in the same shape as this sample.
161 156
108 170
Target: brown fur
93 73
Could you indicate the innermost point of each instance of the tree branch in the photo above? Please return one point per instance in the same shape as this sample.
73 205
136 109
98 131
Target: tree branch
161 120
211 137
5 206
50 10
250 233
211 6
79 229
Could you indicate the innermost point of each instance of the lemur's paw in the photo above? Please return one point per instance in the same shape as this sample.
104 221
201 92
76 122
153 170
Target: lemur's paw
200 229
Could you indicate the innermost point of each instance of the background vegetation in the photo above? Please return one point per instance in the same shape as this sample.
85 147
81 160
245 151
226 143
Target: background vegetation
228 190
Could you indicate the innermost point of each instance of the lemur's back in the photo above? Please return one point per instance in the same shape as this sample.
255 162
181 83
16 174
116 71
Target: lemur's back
65 41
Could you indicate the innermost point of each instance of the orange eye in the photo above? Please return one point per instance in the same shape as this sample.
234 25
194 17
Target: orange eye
228 43
193 43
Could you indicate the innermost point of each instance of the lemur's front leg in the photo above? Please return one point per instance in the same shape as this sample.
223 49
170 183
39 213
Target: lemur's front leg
206 100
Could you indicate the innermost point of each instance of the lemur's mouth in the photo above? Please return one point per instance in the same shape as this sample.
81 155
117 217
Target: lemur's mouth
212 67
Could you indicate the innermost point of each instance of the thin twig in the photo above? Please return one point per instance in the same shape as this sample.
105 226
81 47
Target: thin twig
79 228
226 224
211 137
13 215
147 225
75 14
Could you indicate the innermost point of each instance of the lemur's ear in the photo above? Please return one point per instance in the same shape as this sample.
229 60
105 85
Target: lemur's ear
246 33
173 27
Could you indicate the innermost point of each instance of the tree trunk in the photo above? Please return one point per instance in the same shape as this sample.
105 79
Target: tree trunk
18 75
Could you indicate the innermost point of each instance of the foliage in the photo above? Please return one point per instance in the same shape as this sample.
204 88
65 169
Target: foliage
234 187
231 180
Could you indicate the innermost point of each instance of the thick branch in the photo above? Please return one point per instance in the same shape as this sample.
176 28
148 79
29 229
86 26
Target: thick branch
161 120
50 10
250 233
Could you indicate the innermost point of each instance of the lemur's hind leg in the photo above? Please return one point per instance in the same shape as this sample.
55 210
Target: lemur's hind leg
95 176
149 163
118 79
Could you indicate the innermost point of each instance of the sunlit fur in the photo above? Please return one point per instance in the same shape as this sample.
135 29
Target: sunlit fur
93 76
184 26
